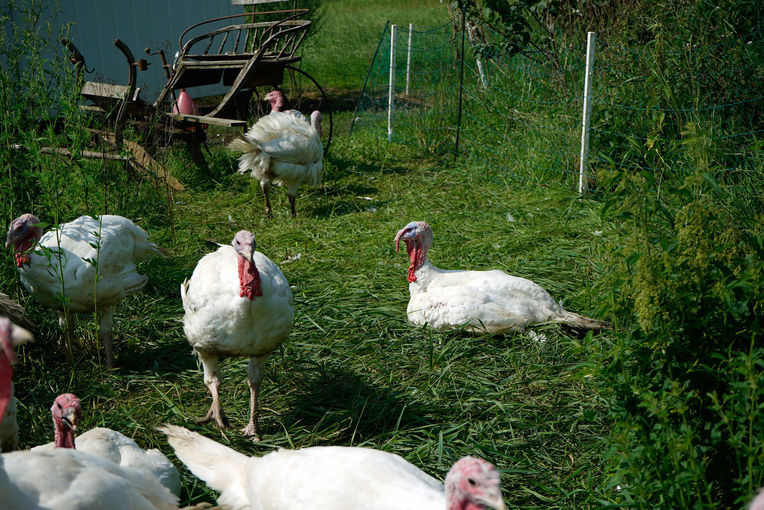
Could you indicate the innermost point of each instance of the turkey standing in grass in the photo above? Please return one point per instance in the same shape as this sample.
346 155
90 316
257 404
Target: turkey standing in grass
86 255
480 301
283 148
237 303
11 335
332 478
107 444
64 478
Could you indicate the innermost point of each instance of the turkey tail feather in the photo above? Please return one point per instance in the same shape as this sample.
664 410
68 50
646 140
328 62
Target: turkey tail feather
581 322
219 466
158 250
253 156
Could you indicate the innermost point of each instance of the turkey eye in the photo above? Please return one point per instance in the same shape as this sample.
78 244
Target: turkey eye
471 481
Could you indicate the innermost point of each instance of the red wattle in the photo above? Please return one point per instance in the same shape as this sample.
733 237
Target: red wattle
414 254
249 279
22 250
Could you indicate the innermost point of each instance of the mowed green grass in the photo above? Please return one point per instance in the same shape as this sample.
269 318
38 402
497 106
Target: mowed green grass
338 56
354 372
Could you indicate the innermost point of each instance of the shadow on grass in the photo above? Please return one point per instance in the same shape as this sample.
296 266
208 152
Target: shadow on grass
341 405
344 167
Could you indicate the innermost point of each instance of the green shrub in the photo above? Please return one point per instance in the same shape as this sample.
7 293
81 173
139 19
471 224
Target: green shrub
686 367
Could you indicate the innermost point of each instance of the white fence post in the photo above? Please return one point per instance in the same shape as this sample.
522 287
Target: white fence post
391 91
408 58
590 43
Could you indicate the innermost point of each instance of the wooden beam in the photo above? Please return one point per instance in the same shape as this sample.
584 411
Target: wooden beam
203 119
254 2
140 160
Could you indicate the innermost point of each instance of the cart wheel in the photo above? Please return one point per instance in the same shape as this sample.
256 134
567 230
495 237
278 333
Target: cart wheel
303 93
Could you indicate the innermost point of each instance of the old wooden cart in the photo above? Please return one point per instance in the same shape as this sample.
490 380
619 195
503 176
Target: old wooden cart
249 54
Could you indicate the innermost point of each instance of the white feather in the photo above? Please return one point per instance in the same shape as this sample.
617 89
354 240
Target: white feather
283 148
322 477
65 478
72 254
218 319
120 449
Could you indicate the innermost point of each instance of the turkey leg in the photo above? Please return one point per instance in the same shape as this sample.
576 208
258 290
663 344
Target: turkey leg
66 322
291 204
212 380
266 186
255 373
104 331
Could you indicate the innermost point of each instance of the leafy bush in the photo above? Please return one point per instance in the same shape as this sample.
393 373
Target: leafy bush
686 367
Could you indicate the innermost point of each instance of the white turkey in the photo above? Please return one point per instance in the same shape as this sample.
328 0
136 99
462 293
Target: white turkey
332 478
758 501
237 303
283 148
11 335
64 478
87 255
107 444
479 301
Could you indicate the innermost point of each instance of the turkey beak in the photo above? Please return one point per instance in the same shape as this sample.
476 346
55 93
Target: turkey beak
70 418
251 252
20 335
492 499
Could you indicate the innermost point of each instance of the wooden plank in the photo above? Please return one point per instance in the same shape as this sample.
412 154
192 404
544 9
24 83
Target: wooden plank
211 62
92 108
203 119
140 160
143 160
254 2
107 90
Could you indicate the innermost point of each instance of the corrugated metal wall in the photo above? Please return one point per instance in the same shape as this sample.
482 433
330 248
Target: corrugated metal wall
140 24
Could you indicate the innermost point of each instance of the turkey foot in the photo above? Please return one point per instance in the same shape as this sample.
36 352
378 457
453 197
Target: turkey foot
217 416
250 431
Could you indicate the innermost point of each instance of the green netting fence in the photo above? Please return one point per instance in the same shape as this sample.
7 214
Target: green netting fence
653 109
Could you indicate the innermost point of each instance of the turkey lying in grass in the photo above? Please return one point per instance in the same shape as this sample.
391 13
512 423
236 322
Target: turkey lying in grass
283 148
65 478
107 444
479 301
237 303
85 254
11 335
332 478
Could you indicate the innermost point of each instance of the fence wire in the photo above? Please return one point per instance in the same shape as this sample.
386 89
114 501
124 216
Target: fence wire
663 111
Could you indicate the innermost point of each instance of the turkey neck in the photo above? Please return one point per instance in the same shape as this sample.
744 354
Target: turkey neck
464 505
249 279
64 436
417 255
6 384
